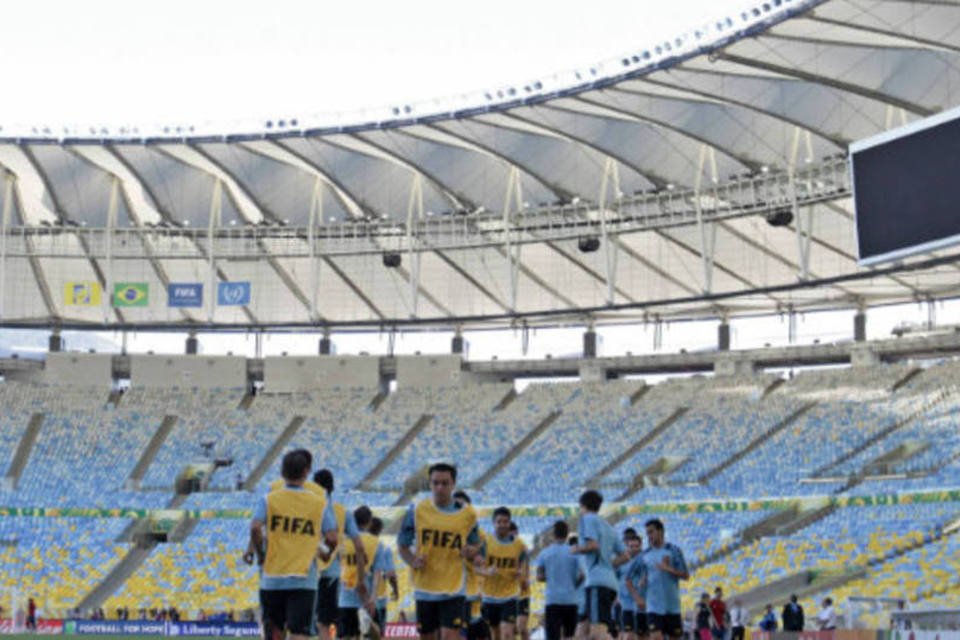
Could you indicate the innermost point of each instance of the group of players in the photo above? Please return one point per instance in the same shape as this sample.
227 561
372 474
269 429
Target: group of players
321 565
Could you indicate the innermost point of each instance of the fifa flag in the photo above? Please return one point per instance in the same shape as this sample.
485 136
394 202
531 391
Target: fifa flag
82 294
131 294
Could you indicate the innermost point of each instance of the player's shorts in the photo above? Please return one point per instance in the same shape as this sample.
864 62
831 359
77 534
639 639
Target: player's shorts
668 624
633 622
496 612
560 621
478 630
600 605
328 598
348 622
381 617
290 609
472 610
437 614
523 607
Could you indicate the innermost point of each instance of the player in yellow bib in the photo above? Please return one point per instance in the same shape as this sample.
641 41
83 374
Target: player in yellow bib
436 536
292 527
360 570
523 606
506 560
473 622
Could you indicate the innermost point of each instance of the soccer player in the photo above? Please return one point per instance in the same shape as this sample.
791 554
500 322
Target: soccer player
633 619
389 576
604 551
507 561
560 569
300 527
583 620
328 588
359 569
435 538
523 606
665 568
473 622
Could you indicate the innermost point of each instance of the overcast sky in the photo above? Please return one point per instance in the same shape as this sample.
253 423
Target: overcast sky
117 62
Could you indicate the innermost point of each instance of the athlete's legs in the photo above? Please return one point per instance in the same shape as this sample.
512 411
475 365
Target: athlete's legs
523 628
507 630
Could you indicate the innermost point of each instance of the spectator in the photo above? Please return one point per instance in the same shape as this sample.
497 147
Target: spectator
827 618
31 615
792 615
704 618
769 621
718 623
739 619
901 624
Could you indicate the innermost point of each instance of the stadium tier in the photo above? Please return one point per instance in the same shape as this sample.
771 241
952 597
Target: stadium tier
747 437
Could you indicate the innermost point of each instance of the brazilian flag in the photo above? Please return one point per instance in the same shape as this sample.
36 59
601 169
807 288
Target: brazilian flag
131 294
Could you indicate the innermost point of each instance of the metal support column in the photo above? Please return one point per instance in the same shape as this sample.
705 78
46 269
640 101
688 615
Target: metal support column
512 202
315 219
611 179
213 223
708 237
414 217
4 226
107 298
803 228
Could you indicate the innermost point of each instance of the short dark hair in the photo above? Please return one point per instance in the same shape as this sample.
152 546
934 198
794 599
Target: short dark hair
591 500
376 526
573 540
363 516
629 532
324 478
501 511
656 523
561 530
443 467
462 496
793 597
295 465
829 601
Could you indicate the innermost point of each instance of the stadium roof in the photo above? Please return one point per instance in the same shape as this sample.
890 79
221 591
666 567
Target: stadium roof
676 157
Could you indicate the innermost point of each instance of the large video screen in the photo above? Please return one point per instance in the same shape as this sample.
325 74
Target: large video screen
906 189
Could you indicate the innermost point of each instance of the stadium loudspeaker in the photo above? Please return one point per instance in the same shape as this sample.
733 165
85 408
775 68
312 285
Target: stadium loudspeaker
55 344
590 344
723 337
456 345
588 244
192 345
326 346
780 218
391 260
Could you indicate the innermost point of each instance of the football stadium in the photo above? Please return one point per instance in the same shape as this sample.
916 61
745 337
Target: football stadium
791 159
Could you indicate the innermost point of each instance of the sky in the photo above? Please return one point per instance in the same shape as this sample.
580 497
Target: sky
117 62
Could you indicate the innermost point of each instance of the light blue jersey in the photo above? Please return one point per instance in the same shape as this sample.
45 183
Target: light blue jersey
350 530
634 571
560 567
600 571
349 599
663 589
390 568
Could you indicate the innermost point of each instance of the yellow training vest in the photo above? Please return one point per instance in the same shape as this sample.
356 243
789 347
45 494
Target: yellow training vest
294 520
340 515
474 579
348 559
505 558
441 537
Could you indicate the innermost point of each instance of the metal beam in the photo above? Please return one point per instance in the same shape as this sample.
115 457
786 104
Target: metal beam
907 37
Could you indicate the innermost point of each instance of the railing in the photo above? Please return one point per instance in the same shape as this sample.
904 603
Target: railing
763 193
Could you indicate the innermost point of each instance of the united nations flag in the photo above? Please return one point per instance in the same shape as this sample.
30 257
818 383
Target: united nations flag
131 294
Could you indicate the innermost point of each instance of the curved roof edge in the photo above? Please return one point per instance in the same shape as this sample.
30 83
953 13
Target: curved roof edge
754 18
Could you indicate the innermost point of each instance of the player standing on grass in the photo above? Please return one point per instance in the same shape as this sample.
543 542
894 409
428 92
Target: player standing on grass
633 618
560 569
665 568
389 576
300 527
473 622
604 551
359 577
523 606
506 559
436 536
